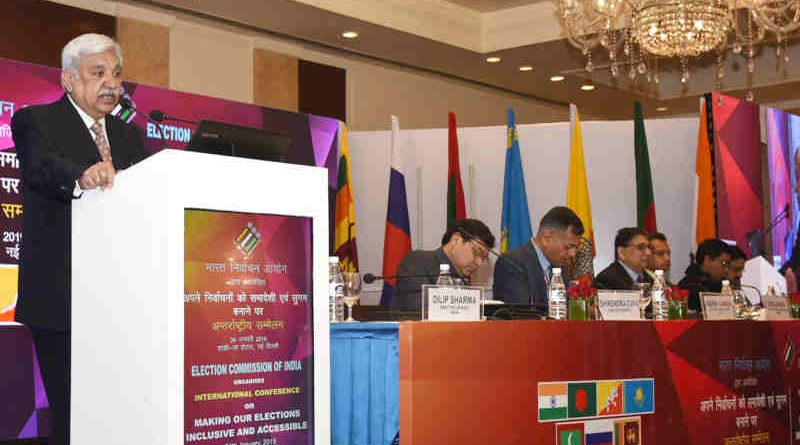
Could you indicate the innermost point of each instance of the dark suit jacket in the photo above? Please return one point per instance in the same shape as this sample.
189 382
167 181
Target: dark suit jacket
407 294
615 277
54 148
512 286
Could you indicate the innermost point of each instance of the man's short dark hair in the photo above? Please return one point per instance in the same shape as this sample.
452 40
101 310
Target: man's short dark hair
468 229
736 253
561 219
624 236
711 248
656 236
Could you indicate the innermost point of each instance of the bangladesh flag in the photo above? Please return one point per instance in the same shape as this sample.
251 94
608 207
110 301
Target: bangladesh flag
582 398
645 200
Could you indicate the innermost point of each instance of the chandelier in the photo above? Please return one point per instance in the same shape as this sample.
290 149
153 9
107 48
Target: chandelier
647 31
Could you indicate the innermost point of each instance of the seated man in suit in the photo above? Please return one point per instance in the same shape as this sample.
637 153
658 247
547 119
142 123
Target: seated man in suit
631 257
660 256
65 148
522 274
736 269
705 274
465 248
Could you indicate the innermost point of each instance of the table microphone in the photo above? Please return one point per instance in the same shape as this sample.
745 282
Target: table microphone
371 278
519 270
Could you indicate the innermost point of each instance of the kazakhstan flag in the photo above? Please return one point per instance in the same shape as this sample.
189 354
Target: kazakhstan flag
638 396
515 224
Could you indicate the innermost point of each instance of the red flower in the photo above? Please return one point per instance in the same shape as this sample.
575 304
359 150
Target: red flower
675 293
581 289
795 298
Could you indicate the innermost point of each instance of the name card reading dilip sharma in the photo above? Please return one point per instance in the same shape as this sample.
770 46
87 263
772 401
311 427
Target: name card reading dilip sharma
776 307
618 304
717 306
448 303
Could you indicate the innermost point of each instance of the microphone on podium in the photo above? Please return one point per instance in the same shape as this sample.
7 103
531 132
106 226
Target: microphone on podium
126 104
160 116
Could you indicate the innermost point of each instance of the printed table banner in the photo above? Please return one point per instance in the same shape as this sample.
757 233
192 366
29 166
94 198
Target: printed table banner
613 382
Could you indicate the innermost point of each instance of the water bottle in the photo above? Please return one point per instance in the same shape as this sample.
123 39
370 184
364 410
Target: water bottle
659 298
444 276
557 296
335 291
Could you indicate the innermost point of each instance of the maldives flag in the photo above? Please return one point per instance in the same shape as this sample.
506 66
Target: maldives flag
645 200
569 434
456 210
397 238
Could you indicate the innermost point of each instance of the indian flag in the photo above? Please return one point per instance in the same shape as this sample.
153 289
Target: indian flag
552 401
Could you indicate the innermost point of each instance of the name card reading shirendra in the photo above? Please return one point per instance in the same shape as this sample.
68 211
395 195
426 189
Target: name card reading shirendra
451 303
619 304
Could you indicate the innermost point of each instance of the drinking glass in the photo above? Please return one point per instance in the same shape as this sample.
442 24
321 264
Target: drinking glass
352 292
644 298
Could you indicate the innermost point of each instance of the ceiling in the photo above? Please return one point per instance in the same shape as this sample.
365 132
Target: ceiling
492 5
453 38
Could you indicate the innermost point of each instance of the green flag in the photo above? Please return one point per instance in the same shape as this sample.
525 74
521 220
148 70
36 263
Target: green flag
645 200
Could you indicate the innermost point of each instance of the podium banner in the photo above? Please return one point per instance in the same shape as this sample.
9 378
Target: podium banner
248 329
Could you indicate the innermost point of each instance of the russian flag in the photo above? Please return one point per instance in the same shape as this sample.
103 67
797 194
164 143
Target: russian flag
397 240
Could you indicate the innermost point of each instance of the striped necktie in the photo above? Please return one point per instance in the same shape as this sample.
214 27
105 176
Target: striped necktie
102 143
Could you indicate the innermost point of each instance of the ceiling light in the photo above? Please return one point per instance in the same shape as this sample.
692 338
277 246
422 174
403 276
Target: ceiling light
587 87
526 68
661 109
556 78
493 59
637 34
349 34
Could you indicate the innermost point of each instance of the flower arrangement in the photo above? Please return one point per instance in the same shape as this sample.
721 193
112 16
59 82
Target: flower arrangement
677 302
675 293
794 298
582 290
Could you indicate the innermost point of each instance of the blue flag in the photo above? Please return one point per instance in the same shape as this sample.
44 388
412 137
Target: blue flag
638 396
515 224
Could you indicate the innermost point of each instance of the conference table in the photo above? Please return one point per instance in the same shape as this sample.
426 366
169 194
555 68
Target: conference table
567 382
527 382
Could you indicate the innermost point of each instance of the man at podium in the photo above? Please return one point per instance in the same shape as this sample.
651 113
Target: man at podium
65 148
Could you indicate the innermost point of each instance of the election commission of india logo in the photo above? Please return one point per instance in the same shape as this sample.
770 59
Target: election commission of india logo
247 240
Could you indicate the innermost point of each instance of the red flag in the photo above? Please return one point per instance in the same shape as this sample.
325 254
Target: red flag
456 210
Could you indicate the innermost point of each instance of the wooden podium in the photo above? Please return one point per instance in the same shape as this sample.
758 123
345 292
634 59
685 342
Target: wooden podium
128 288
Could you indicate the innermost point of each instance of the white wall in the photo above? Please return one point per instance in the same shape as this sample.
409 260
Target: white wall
609 156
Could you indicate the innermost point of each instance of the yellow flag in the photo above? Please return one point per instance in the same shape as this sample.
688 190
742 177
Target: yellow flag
577 187
345 232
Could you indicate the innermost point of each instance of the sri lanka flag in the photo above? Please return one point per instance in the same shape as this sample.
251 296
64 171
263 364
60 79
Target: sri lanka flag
345 229
397 239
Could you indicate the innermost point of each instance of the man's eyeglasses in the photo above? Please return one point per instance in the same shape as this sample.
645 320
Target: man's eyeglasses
641 247
480 253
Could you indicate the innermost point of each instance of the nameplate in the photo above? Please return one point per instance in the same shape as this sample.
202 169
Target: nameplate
451 303
717 306
619 304
776 307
